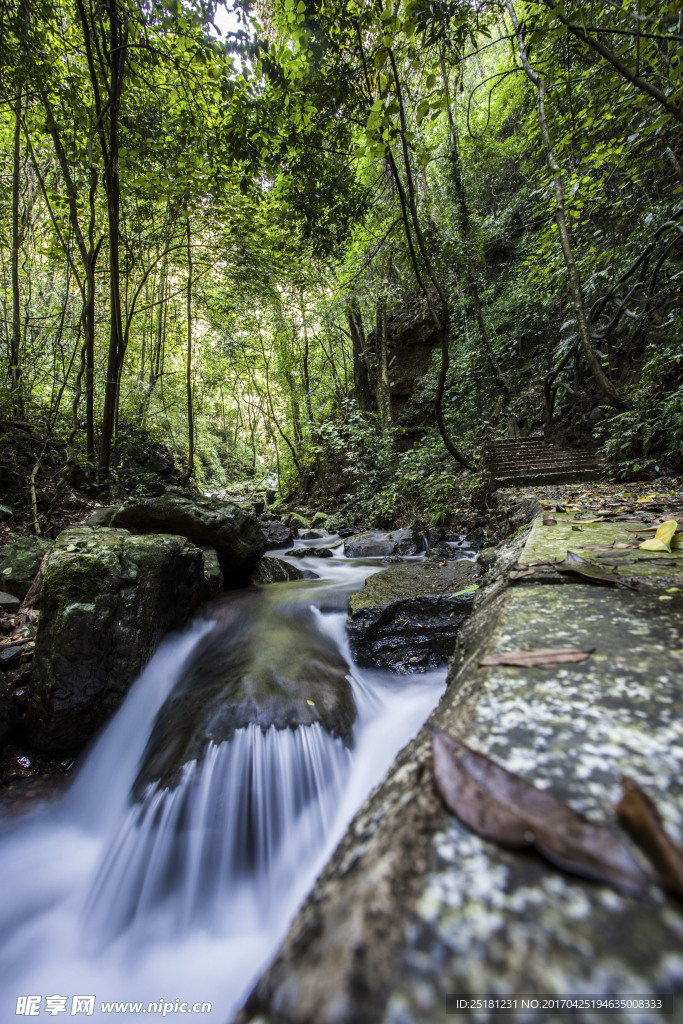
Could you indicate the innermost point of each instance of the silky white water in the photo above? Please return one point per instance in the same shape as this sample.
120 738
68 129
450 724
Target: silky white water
183 898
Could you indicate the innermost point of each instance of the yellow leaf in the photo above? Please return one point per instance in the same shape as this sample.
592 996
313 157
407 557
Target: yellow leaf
662 538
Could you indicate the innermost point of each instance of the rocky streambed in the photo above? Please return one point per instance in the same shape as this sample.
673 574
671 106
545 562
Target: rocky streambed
414 911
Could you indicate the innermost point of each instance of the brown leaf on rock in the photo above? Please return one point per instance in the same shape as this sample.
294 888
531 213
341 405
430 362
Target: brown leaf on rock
538 657
640 816
499 805
549 521
519 574
600 574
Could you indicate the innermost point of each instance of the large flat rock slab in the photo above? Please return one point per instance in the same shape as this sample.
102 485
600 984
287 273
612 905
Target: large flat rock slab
490 920
613 543
414 909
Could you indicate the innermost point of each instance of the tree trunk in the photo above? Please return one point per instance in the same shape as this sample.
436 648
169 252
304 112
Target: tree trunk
118 34
465 226
572 271
15 348
188 378
361 375
383 390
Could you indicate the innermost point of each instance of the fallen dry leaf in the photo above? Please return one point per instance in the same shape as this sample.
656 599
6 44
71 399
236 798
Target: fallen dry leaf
641 819
538 657
499 805
549 521
662 538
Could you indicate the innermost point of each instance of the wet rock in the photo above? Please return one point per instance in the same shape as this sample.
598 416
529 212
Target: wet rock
433 534
235 679
477 536
310 535
407 618
446 550
298 522
8 601
276 570
20 559
346 531
276 534
107 600
374 544
310 552
232 532
213 577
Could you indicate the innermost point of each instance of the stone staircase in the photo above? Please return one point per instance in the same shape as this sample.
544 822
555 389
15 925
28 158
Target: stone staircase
526 462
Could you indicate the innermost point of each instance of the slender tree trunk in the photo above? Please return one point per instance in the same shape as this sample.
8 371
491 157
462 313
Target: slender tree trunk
383 390
572 271
361 373
188 378
295 408
118 35
466 225
15 349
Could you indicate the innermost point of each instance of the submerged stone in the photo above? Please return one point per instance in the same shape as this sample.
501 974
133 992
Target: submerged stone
107 600
235 679
232 531
407 618
311 553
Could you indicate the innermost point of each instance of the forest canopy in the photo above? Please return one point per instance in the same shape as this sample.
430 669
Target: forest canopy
337 244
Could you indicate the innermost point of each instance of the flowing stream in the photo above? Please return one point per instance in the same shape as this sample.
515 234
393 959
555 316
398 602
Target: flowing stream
130 892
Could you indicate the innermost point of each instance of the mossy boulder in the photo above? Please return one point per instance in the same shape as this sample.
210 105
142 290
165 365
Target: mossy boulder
296 678
374 544
107 600
102 516
319 519
229 529
20 559
407 618
298 522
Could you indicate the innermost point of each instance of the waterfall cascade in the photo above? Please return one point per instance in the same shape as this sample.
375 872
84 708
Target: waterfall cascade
178 897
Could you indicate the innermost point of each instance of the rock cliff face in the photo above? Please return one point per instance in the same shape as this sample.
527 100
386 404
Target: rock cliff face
107 600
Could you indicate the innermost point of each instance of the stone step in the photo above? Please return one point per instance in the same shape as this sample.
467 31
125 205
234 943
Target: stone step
559 476
544 460
519 462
